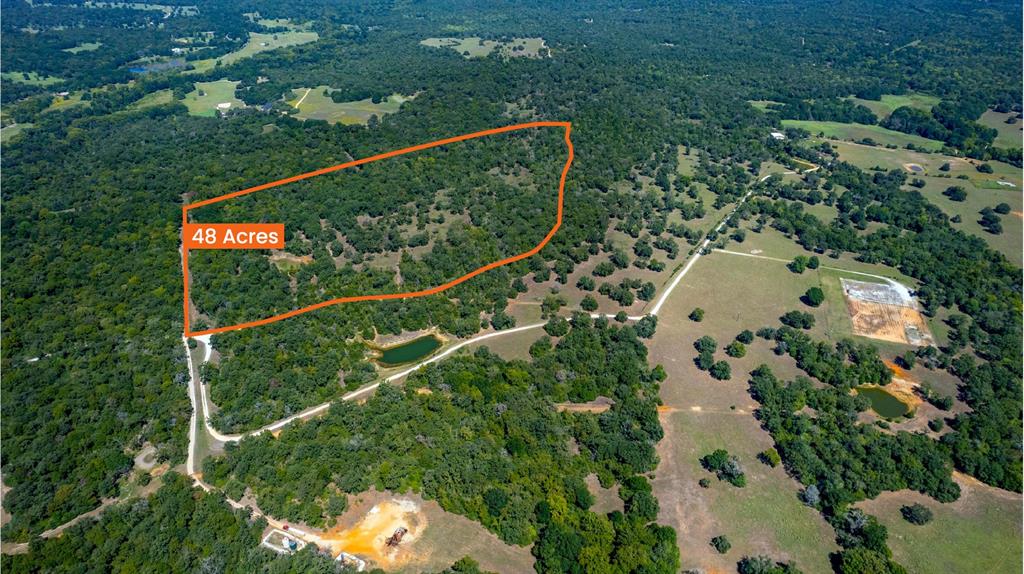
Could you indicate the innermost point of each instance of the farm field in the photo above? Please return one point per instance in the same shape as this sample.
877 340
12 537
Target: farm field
476 47
1009 134
701 414
979 532
31 78
258 42
204 99
889 102
312 104
880 135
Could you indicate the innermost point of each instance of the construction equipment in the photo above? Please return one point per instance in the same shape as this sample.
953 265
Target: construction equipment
396 538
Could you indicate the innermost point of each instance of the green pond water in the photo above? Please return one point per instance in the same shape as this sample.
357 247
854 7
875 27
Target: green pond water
884 403
409 352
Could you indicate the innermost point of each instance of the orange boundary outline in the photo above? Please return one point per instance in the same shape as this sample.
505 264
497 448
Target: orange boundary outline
383 296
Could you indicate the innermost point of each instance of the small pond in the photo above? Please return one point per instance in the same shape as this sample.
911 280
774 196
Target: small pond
883 403
408 352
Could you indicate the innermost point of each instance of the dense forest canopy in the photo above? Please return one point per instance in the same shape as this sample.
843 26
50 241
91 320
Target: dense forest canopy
92 357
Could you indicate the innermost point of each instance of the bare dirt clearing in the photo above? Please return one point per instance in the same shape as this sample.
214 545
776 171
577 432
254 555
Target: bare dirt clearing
882 311
435 538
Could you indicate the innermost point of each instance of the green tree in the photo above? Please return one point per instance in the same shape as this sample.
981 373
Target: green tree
814 296
721 371
736 349
917 514
556 326
705 344
721 544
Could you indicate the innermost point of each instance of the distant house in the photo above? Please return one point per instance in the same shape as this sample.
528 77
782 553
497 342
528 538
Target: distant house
778 135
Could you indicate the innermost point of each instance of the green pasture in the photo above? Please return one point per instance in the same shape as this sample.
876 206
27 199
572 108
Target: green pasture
880 135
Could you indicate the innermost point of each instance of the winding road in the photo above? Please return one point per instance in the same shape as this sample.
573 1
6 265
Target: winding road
198 391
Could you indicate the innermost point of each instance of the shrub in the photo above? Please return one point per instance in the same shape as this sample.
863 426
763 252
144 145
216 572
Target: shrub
721 371
721 544
917 514
736 349
955 193
770 457
814 297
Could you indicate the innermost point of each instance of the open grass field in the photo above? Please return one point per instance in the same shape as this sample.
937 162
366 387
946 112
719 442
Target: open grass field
257 43
698 416
84 47
837 321
1009 241
312 104
1009 134
983 190
762 104
282 23
980 532
868 157
158 98
9 132
31 78
880 135
890 102
64 102
476 47
204 99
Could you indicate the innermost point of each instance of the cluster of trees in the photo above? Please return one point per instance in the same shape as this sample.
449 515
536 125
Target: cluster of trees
487 443
705 361
832 110
725 466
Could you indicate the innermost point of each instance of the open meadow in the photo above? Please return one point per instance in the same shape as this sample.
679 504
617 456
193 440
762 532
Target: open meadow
884 107
701 414
84 47
31 78
859 132
476 47
314 104
1009 134
203 101
979 532
258 42
983 189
